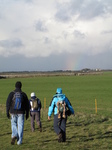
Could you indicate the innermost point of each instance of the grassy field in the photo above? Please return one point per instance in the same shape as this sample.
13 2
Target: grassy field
87 130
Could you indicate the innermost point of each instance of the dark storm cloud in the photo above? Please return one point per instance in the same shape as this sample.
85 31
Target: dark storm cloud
98 61
56 62
31 64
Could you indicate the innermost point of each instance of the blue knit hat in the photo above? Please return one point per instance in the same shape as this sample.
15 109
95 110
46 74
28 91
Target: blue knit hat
59 91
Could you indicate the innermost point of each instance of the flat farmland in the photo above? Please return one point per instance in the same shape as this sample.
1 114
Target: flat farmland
87 130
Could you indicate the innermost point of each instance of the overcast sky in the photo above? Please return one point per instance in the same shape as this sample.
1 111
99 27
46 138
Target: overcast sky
47 35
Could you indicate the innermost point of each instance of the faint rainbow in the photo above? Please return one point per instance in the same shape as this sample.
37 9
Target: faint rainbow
74 62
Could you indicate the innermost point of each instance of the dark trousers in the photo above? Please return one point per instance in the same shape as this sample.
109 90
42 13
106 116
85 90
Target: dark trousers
60 126
35 116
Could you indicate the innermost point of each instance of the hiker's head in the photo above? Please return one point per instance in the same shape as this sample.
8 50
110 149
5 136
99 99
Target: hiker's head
18 84
33 95
59 91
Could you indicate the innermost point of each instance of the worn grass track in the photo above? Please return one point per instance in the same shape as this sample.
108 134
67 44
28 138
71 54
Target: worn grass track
83 132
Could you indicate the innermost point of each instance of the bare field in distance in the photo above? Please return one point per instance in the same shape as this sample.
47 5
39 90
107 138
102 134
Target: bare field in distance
26 74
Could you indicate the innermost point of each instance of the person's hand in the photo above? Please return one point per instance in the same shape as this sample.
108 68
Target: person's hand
8 115
68 112
49 118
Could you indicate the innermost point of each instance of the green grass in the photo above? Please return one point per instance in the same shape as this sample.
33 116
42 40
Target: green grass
87 130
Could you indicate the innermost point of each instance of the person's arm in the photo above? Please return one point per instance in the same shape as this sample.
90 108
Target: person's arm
51 107
8 104
26 106
69 106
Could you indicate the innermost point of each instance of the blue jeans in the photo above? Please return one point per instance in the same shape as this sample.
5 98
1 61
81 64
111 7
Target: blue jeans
17 125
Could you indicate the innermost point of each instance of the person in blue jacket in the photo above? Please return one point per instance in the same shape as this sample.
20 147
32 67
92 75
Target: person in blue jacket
62 108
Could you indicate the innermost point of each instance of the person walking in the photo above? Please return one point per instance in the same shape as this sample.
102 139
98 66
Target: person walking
17 105
62 108
35 107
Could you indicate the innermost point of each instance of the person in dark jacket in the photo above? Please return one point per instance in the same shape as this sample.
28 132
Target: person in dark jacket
17 105
35 107
61 107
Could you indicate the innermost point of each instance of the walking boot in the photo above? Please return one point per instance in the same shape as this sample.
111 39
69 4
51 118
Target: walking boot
40 128
60 138
13 140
